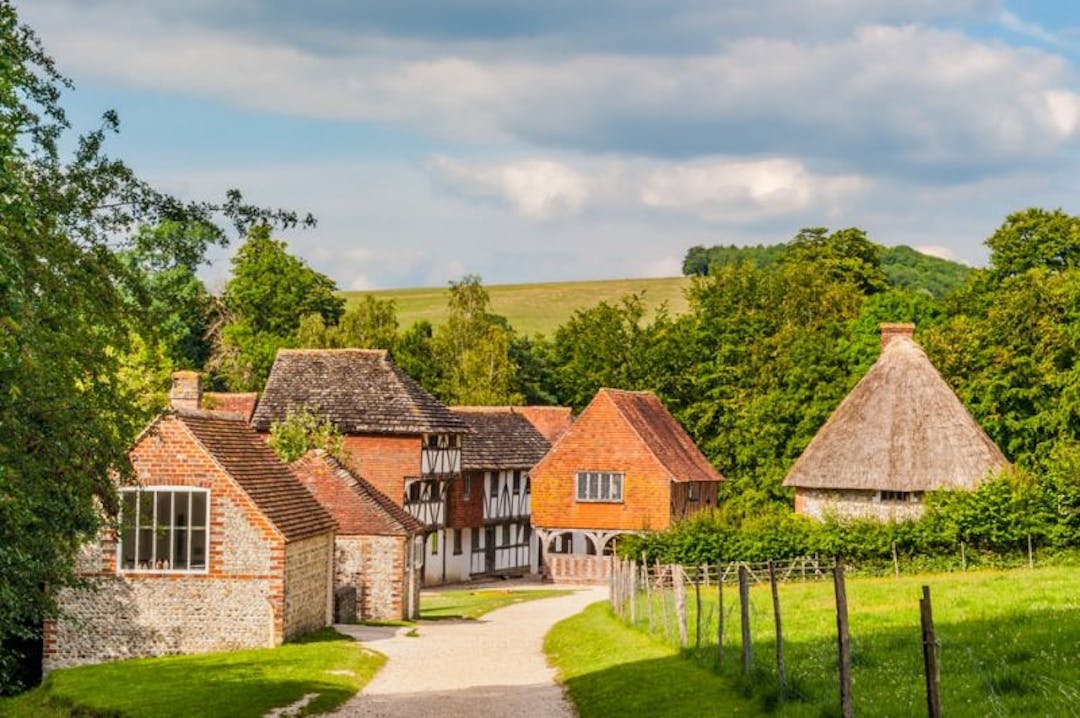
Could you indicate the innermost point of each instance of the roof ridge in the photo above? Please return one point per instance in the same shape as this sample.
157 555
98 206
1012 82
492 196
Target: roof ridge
339 350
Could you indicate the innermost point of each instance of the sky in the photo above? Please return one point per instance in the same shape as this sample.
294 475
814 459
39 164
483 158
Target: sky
563 140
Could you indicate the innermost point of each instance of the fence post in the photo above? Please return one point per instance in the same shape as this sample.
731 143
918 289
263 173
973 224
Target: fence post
843 641
680 603
781 672
930 656
744 606
719 619
648 590
895 561
663 600
697 605
963 556
633 592
1031 555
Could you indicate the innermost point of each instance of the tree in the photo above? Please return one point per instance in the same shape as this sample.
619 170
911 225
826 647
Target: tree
302 431
266 299
371 324
1035 238
473 349
67 414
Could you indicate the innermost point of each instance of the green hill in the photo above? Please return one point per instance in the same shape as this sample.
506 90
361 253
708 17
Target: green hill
536 308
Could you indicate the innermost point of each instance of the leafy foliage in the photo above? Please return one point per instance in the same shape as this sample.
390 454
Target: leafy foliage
300 432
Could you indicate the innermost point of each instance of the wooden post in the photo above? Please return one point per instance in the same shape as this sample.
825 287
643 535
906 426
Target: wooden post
780 669
744 606
697 605
648 591
963 556
930 656
663 601
719 619
1031 555
633 592
895 561
680 603
843 642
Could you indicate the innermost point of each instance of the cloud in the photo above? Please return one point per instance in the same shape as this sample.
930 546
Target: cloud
537 189
882 99
744 191
1011 21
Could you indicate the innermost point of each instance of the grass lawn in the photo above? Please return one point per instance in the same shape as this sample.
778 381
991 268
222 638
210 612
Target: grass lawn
237 683
535 308
474 604
1010 646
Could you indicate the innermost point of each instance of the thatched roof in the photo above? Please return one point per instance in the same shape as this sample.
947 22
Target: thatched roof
900 429
361 391
501 438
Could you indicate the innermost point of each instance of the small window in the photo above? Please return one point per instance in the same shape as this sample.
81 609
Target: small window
895 496
412 492
517 482
476 546
435 544
506 540
457 542
693 491
466 486
493 483
528 484
600 486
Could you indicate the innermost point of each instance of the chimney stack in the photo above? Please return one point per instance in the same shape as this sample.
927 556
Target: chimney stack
892 331
186 392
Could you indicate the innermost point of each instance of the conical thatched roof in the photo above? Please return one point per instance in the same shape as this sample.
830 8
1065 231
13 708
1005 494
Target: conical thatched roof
900 429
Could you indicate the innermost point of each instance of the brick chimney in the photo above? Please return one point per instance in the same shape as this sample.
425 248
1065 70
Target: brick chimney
891 331
186 392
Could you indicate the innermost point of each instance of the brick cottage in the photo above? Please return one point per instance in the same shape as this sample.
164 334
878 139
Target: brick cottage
218 547
624 466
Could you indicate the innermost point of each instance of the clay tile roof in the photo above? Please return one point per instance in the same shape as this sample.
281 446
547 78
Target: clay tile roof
501 438
551 421
665 438
275 490
360 390
226 402
357 506
900 429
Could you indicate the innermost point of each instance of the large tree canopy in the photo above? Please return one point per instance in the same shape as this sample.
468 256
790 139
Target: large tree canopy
72 311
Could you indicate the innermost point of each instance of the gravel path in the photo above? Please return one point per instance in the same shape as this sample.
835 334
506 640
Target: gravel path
494 666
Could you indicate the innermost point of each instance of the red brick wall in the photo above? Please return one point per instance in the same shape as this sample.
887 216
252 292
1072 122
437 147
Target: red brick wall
385 461
465 513
601 440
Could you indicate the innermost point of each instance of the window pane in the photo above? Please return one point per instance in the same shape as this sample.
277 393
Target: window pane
198 509
198 548
163 499
616 487
605 486
493 482
528 484
594 486
582 486
146 547
146 509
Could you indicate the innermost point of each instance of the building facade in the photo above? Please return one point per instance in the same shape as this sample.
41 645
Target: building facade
624 466
218 546
398 437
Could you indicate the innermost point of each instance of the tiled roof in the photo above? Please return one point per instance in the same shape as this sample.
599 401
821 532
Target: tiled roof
357 506
501 438
666 439
360 390
551 421
230 402
275 490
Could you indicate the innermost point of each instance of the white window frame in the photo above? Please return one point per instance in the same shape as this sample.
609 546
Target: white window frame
599 487
137 490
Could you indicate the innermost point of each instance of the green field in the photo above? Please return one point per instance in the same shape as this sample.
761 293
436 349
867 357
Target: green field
1010 642
326 666
535 308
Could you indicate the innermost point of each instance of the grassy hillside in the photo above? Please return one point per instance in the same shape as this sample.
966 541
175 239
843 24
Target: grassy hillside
535 308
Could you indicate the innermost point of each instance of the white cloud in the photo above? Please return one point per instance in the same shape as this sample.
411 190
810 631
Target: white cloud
537 189
1010 21
744 191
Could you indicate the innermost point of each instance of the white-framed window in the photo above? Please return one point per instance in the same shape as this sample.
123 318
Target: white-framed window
164 528
606 486
693 491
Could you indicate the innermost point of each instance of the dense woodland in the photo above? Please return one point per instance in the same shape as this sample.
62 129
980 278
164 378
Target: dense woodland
100 301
